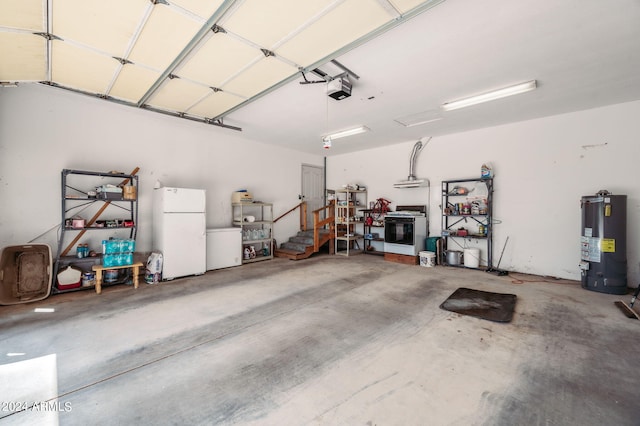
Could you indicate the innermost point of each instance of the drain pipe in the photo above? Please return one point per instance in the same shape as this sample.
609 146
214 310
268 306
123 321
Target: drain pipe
412 162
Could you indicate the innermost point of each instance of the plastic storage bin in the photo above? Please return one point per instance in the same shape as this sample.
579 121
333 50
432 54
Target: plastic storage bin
69 278
25 273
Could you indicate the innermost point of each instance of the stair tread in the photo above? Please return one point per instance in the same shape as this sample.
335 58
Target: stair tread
301 240
310 233
288 251
294 247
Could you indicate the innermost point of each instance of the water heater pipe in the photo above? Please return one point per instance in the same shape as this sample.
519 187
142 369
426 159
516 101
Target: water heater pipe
414 154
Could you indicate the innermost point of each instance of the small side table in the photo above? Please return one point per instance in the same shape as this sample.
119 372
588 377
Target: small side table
99 268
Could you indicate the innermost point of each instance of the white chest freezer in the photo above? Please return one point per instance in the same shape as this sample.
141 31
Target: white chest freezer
224 247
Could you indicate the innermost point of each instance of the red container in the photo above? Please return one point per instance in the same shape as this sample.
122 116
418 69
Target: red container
69 278
68 286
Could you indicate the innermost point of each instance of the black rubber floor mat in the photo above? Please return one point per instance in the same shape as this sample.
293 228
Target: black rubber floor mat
490 306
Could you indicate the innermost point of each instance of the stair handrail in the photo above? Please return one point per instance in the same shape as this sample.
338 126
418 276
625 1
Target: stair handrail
303 214
319 224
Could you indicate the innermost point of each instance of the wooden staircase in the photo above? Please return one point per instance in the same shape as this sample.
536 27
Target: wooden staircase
302 245
308 242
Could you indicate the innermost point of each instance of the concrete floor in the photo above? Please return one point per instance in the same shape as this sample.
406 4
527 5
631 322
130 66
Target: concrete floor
325 341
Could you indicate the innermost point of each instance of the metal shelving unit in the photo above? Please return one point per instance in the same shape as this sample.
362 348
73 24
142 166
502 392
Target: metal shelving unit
459 211
77 195
257 233
373 232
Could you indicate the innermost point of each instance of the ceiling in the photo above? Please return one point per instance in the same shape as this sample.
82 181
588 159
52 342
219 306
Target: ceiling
239 64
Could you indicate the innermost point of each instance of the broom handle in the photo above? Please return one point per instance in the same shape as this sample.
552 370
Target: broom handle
96 216
503 247
635 296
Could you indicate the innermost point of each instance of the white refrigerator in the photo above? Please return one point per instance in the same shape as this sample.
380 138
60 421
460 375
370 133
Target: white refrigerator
180 231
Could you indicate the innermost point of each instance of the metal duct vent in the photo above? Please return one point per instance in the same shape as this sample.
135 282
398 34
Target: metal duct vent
412 181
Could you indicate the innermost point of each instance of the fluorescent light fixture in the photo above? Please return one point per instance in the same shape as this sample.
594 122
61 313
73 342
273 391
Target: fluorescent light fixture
419 123
420 118
345 133
490 96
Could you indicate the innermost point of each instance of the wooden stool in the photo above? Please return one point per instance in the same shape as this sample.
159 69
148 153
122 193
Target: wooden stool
99 268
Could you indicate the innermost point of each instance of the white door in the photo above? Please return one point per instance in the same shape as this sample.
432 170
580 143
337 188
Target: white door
312 190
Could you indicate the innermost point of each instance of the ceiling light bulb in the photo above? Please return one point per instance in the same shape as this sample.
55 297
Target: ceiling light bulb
490 96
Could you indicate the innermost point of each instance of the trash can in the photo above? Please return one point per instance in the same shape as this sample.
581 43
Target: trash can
431 243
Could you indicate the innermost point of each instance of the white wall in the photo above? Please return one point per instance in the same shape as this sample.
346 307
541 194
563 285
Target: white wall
542 169
44 130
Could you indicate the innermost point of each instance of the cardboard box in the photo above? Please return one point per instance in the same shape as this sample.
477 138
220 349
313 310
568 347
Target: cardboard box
241 197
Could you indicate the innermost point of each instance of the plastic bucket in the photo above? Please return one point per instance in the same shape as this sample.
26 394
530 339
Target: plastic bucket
110 275
471 257
427 259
